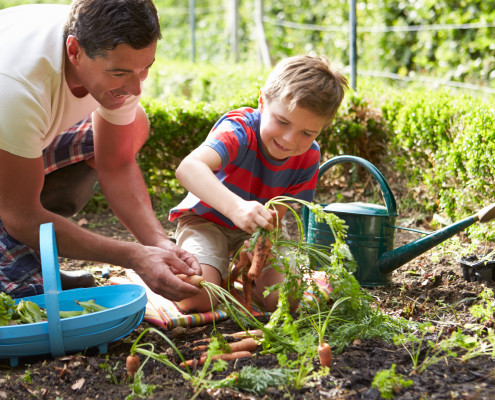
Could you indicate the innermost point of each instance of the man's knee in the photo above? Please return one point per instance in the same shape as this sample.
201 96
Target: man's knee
67 190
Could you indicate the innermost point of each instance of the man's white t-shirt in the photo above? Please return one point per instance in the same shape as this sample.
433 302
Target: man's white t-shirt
35 101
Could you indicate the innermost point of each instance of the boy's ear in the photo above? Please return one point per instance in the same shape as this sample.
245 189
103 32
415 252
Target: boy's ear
260 101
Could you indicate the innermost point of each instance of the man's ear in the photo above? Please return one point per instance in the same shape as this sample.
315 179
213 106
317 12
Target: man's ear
73 49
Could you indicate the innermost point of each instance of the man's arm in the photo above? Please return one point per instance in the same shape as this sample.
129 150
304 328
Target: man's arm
122 183
21 212
121 179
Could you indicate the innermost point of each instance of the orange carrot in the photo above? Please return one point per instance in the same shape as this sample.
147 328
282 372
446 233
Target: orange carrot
193 362
325 354
236 335
248 344
206 339
260 254
200 347
225 357
132 364
194 280
243 334
247 290
242 265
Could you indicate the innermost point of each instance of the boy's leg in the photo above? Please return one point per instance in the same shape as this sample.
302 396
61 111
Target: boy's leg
202 302
269 277
206 241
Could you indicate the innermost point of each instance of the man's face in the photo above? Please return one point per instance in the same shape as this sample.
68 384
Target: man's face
287 133
109 79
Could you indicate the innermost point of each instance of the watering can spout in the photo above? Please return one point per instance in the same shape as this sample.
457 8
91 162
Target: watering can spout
392 260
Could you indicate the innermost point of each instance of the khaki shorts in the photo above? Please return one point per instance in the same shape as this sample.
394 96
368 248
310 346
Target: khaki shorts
210 243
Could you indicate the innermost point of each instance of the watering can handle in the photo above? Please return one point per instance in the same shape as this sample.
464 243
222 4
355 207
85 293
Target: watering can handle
386 192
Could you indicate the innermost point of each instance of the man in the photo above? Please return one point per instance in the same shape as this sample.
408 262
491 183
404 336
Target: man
61 65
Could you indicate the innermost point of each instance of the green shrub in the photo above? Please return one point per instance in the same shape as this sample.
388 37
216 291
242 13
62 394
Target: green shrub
446 142
176 129
358 129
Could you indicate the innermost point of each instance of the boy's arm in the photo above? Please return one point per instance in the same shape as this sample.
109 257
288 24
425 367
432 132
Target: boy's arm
195 173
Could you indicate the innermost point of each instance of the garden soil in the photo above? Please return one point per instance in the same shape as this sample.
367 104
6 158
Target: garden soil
430 287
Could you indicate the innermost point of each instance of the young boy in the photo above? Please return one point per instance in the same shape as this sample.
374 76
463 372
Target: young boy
249 157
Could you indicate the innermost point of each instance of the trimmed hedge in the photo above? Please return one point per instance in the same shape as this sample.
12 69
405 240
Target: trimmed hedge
447 142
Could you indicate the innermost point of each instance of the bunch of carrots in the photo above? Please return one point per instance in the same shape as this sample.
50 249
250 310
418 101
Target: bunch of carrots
250 270
243 347
246 342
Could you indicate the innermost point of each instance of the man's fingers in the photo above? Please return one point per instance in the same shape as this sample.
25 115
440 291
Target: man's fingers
158 268
181 261
175 289
188 265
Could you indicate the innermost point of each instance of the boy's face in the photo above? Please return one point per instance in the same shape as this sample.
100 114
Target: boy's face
287 133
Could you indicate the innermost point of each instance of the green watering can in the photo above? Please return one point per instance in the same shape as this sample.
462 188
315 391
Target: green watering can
371 230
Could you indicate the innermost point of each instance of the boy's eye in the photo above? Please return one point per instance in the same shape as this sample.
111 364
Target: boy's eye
282 122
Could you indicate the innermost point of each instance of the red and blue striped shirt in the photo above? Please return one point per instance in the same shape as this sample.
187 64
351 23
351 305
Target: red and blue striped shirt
248 172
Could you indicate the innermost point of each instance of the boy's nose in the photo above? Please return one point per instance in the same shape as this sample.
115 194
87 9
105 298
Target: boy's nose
289 136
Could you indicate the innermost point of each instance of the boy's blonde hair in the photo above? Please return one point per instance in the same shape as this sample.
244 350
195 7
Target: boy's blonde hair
308 82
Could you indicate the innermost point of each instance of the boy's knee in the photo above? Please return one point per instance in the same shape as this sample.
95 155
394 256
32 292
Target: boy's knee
270 303
201 303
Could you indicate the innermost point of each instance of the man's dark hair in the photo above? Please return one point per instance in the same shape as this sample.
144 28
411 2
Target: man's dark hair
101 25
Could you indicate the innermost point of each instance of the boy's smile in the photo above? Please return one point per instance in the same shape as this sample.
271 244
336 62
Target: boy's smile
287 133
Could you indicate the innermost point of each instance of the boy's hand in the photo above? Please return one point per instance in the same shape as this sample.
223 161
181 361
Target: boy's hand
253 215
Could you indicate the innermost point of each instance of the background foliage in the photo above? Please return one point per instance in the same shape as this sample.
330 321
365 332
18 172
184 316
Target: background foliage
442 140
445 52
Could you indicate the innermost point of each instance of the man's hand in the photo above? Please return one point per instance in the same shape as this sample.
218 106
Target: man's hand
183 259
158 266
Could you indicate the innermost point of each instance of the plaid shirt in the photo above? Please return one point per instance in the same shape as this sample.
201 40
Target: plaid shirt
20 265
